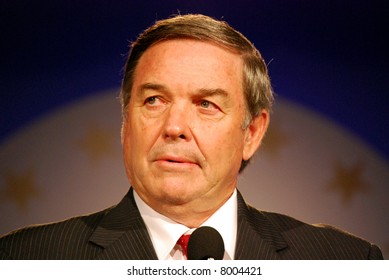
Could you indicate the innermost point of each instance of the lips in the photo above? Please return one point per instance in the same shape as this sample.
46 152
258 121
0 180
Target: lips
174 161
169 157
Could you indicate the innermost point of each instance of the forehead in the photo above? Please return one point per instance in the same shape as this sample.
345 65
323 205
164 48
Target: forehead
190 61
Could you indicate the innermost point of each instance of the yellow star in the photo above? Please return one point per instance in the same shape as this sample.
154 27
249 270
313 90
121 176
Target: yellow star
348 181
97 143
20 188
275 140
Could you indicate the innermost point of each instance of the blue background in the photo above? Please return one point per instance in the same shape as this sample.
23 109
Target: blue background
330 56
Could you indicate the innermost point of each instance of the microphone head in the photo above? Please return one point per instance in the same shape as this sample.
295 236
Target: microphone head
205 243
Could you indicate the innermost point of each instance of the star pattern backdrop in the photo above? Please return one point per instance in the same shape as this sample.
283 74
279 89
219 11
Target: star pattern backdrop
324 159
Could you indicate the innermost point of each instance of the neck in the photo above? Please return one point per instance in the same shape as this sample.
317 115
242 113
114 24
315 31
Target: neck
188 216
191 214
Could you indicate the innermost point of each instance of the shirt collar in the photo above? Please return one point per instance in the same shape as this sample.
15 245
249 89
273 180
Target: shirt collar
165 232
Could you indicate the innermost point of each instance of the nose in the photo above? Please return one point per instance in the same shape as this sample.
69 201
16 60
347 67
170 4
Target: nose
177 124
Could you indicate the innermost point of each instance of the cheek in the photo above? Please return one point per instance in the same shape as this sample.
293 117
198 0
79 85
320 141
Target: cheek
223 144
131 138
141 135
134 151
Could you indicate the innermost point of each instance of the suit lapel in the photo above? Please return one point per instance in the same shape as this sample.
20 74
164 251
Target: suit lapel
257 237
122 233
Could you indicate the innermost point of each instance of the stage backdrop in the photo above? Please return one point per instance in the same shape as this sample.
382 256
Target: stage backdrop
325 158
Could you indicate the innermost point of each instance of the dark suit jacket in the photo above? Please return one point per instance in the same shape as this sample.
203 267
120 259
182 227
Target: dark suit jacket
120 233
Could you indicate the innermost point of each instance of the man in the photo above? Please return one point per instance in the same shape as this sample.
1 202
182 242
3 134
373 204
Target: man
196 98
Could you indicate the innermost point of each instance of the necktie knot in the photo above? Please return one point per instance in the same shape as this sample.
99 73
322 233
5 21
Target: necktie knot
183 242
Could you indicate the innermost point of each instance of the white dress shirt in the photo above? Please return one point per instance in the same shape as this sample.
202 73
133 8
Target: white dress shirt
165 232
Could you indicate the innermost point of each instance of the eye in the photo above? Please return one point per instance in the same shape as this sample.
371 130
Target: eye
206 104
208 108
154 102
151 100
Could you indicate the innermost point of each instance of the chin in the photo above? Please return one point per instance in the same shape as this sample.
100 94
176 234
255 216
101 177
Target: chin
179 194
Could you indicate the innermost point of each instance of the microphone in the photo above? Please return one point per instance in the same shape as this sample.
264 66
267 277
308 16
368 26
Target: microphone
205 243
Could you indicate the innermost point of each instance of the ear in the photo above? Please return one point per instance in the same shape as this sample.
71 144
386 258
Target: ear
254 134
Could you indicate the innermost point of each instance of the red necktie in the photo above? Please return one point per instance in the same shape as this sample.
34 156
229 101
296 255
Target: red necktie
183 242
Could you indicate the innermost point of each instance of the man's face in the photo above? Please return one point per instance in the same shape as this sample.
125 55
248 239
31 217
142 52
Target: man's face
183 138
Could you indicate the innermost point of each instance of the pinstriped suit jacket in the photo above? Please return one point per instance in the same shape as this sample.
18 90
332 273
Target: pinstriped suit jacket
120 233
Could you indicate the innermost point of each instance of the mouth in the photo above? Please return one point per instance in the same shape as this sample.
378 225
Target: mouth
176 162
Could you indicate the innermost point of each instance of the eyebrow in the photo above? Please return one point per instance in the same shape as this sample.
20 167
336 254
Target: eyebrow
204 92
152 86
201 93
